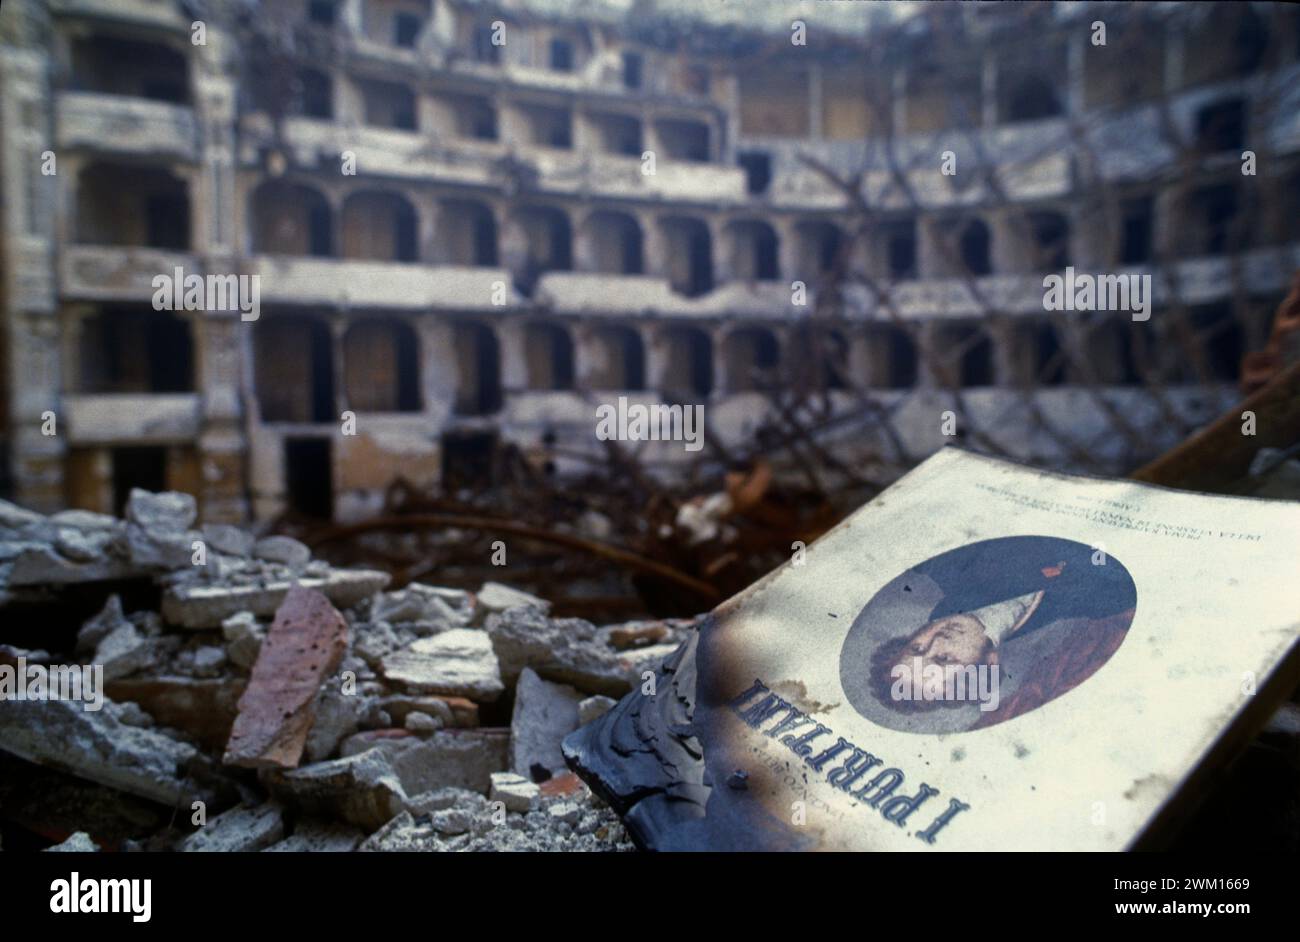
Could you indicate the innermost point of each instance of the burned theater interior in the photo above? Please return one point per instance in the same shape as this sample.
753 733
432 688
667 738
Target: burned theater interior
649 425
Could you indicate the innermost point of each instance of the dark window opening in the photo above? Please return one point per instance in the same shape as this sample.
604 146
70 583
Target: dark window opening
821 356
969 350
1249 43
765 261
167 221
476 118
382 367
484 49
690 256
126 350
758 171
549 356
318 230
317 99
619 134
137 466
560 135
294 366
478 390
1214 210
388 105
684 140
550 247
1137 227
406 238
753 356
631 70
380 226
321 12
115 66
690 363
172 90
1030 99
633 356
826 243
900 250
756 248
1051 235
406 29
308 477
632 253
1049 364
561 55
973 248
895 358
1221 126
485 242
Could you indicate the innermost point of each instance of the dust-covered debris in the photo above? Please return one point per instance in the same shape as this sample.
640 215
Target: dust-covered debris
260 699
459 663
544 714
99 746
78 843
238 830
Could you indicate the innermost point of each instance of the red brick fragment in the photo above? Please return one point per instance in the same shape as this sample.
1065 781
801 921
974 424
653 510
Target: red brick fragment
560 785
304 645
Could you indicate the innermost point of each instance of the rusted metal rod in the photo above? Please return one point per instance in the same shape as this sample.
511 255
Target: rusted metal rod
488 524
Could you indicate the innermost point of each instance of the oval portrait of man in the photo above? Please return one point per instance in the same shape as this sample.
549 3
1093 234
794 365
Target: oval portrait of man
984 633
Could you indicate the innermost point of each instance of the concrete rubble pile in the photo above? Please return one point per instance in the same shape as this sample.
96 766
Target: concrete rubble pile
263 700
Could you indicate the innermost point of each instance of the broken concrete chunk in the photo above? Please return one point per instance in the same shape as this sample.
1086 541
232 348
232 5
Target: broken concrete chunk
224 538
209 660
41 565
565 811
97 746
436 607
496 597
461 758
303 647
166 512
124 651
99 627
362 789
78 843
516 792
239 830
282 549
159 551
198 606
544 714
422 723
85 520
244 635
565 650
338 715
13 517
83 546
157 529
593 708
459 662
315 837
